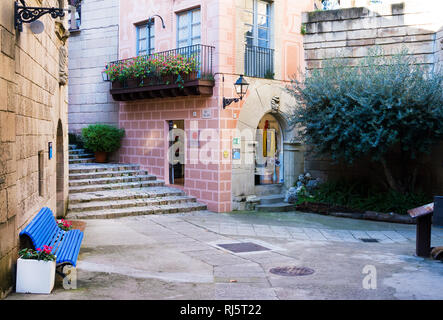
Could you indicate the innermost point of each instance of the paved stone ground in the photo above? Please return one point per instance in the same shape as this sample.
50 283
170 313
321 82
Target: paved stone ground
178 257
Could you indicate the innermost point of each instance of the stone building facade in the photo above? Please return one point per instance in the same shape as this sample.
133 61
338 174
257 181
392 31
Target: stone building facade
33 117
93 43
391 25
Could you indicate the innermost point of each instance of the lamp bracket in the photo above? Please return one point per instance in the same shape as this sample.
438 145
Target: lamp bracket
24 14
228 101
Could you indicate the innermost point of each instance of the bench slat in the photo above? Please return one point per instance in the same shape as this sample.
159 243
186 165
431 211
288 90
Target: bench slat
71 247
41 229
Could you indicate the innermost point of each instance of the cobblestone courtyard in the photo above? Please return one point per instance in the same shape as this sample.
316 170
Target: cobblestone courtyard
178 257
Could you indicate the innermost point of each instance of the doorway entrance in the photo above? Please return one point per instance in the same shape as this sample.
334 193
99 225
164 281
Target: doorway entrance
176 153
269 151
60 172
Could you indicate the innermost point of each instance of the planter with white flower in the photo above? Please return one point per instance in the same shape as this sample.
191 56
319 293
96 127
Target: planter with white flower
36 271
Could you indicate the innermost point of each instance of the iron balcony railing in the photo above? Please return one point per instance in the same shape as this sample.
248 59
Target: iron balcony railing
200 55
259 62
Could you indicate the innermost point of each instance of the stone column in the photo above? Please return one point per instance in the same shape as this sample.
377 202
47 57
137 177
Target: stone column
293 162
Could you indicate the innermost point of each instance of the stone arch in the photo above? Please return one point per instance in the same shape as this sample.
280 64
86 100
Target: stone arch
262 100
60 171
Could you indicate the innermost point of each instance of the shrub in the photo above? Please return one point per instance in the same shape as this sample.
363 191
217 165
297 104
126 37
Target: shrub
365 197
385 105
102 137
75 139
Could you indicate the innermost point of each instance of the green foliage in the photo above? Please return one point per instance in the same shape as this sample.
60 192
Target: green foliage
143 67
269 75
365 197
102 137
75 139
43 254
303 29
382 104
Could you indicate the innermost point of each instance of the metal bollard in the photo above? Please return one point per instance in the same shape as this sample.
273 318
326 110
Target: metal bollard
437 219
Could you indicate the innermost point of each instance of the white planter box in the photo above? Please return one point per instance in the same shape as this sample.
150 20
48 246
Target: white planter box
34 276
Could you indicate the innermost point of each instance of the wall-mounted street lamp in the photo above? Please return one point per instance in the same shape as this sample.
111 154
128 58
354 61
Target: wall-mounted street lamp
24 14
151 21
241 87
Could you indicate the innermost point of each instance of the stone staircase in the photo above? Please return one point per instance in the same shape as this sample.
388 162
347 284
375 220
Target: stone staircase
103 191
274 203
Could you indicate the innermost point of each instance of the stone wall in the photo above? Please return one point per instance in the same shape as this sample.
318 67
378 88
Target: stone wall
349 33
90 49
33 104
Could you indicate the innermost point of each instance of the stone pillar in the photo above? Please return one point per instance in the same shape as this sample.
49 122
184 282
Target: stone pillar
293 163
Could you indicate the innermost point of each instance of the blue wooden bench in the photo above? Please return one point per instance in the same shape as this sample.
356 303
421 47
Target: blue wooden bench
43 230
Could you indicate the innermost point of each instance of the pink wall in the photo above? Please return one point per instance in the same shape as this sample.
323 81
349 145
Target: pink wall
145 120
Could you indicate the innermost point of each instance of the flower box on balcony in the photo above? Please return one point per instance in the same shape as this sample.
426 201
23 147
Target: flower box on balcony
170 73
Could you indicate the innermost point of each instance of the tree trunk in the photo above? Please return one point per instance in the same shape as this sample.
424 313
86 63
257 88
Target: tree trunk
393 184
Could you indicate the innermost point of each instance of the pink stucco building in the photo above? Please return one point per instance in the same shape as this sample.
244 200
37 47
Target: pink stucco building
219 157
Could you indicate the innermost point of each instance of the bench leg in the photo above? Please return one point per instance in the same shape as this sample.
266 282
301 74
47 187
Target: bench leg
69 278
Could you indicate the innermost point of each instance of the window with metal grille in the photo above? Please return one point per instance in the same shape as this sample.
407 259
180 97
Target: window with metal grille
259 57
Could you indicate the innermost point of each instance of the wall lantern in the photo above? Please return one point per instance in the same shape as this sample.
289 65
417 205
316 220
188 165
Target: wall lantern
105 75
24 14
151 21
241 87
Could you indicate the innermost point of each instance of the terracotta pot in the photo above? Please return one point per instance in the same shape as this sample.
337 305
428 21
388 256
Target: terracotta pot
101 156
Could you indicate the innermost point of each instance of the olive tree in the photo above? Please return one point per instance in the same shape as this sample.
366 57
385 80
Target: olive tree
383 105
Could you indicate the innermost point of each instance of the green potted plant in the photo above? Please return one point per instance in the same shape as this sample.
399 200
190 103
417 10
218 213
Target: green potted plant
102 139
36 270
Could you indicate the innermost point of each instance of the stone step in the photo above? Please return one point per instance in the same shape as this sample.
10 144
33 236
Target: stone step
125 212
115 186
76 151
111 180
101 167
124 194
81 156
130 203
275 207
275 198
85 160
106 174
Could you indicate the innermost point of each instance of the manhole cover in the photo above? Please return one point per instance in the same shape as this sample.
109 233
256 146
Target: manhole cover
242 247
368 240
291 271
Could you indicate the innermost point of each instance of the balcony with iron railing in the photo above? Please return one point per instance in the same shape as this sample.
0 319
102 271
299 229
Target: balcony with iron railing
259 62
183 71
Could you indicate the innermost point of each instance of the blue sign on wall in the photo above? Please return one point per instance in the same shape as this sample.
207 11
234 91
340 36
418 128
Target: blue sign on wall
50 150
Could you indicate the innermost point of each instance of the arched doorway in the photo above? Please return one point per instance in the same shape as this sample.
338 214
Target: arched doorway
60 172
269 151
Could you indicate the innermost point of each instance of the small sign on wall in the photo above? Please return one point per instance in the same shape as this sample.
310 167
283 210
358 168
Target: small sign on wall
236 154
207 114
50 150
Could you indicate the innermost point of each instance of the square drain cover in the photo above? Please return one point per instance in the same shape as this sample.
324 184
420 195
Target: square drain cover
368 240
243 247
